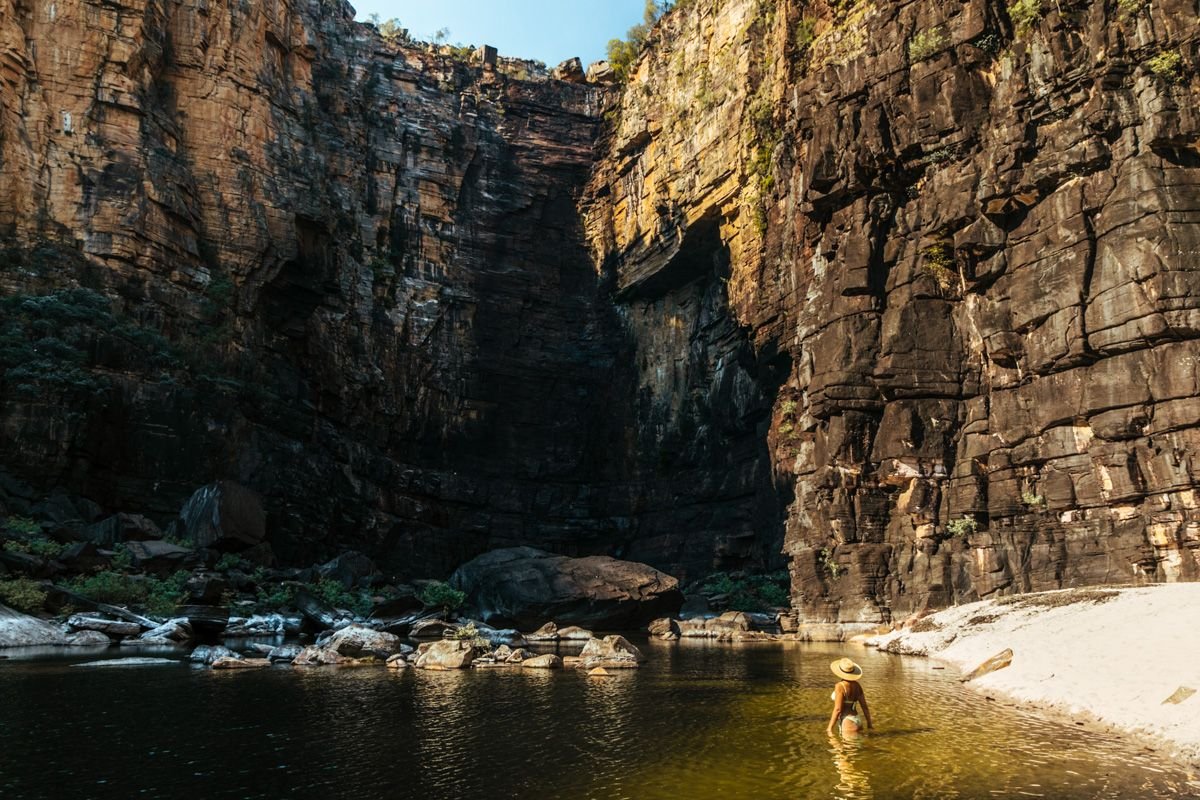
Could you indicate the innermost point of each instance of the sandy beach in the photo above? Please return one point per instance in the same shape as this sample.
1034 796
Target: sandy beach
1125 658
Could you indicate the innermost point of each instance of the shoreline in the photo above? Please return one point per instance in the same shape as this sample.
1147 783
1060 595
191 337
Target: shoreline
1120 660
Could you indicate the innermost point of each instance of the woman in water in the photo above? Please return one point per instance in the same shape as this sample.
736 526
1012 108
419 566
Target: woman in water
847 696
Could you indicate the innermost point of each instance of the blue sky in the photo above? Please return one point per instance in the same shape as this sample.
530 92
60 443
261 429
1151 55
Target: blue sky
548 30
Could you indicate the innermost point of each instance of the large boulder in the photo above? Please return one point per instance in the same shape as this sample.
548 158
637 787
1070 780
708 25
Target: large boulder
224 516
610 652
110 627
22 630
160 558
121 528
350 569
446 654
353 644
524 587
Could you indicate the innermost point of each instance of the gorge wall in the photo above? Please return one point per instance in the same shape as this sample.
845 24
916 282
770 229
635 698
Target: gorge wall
907 289
254 241
970 233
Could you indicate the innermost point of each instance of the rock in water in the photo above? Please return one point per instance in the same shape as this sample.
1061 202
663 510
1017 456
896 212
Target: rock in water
998 661
240 663
210 653
446 654
547 661
613 652
19 630
85 622
524 587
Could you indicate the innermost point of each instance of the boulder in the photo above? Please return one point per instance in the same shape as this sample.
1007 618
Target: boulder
502 652
205 590
524 587
110 627
664 628
573 633
519 655
446 654
546 661
225 516
129 662
175 630
722 627
88 639
160 558
432 628
403 602
263 625
570 71
357 641
610 652
546 633
397 661
284 653
350 569
598 672
121 528
82 557
318 614
205 621
601 72
240 663
209 653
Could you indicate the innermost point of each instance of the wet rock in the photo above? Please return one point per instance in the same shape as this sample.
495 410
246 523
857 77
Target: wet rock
546 633
545 661
110 627
403 602
317 613
263 625
224 515
175 630
502 652
88 639
524 587
445 655
722 627
573 633
598 672
432 627
611 652
240 663
663 628
357 641
284 653
397 661
208 653
205 621
130 662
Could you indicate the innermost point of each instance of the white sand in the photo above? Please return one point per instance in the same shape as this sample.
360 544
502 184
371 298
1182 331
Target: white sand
1114 661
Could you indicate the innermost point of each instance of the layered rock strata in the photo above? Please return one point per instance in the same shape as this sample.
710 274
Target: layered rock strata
968 234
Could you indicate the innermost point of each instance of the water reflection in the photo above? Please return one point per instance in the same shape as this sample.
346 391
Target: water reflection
700 720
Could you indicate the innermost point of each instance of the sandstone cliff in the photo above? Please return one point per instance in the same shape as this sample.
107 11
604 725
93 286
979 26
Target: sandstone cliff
909 287
968 233
263 244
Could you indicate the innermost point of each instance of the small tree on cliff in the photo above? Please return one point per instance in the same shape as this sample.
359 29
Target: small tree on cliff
623 53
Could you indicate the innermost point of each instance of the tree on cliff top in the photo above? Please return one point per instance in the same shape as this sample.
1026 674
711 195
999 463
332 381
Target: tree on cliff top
623 53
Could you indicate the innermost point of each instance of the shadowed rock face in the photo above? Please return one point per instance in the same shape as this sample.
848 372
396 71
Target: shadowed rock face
974 246
352 278
902 288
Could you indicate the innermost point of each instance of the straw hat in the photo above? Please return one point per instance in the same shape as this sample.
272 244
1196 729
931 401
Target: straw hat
846 669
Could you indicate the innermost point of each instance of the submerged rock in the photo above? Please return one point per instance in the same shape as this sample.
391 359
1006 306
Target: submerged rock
88 639
129 662
546 661
524 587
240 663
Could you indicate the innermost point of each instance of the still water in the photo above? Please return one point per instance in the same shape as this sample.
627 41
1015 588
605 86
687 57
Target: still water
700 720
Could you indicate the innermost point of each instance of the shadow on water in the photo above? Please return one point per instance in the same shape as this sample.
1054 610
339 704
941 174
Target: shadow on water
699 720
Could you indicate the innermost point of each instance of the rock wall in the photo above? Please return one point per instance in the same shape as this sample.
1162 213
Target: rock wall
969 238
271 247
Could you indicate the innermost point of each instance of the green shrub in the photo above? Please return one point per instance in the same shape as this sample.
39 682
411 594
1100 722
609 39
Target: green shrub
231 561
110 587
1130 7
829 563
1032 499
469 633
804 35
1166 66
163 596
938 261
623 53
925 44
122 559
22 526
281 595
964 526
335 594
753 593
22 594
1024 14
442 595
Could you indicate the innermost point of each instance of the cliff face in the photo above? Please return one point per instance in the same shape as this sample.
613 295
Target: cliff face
347 274
908 287
968 235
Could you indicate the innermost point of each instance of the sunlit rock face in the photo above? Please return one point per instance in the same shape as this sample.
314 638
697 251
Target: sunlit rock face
904 290
970 241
